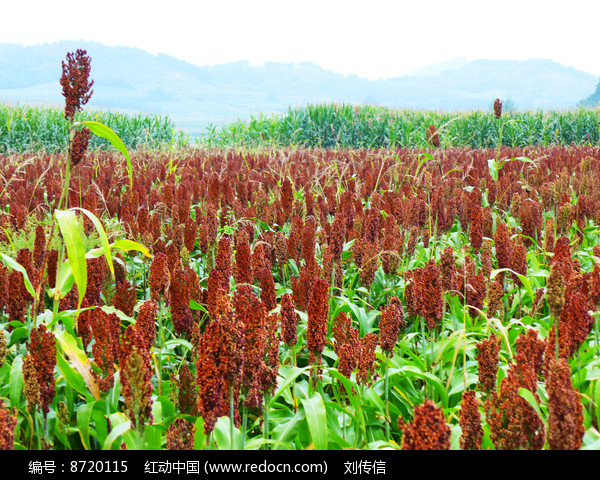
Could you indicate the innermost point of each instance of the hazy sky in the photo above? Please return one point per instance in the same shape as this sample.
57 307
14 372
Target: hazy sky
370 38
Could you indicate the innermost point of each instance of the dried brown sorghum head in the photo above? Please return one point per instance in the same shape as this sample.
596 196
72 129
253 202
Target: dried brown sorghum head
76 86
565 411
487 362
428 429
180 435
470 422
498 108
136 375
79 145
8 422
391 324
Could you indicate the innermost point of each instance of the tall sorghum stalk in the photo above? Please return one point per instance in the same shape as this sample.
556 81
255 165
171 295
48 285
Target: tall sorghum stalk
498 114
76 88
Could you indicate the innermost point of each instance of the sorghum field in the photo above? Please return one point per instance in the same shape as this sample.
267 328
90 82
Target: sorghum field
441 297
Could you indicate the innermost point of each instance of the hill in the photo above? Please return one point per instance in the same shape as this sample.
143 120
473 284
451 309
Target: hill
193 96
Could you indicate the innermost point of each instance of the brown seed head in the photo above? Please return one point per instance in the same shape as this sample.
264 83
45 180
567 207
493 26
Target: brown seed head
428 429
76 86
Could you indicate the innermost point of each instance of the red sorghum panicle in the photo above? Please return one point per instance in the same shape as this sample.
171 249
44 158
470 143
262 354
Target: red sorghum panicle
433 137
287 197
79 145
476 292
272 359
348 358
159 277
125 297
565 411
223 261
8 422
180 294
267 290
253 318
503 246
574 325
513 422
470 422
431 300
218 303
106 330
498 108
146 322
428 429
366 359
391 324
76 86
187 397
243 263
532 348
309 239
343 332
318 314
447 269
519 262
218 368
51 265
38 367
487 362
476 228
555 290
288 320
136 375
180 435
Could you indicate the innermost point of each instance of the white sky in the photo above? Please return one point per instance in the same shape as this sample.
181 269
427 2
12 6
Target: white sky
370 38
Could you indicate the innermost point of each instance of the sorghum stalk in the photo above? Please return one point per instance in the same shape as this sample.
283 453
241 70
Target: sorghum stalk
387 397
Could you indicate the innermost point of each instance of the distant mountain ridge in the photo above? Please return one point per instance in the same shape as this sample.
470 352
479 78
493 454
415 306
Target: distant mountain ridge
131 79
